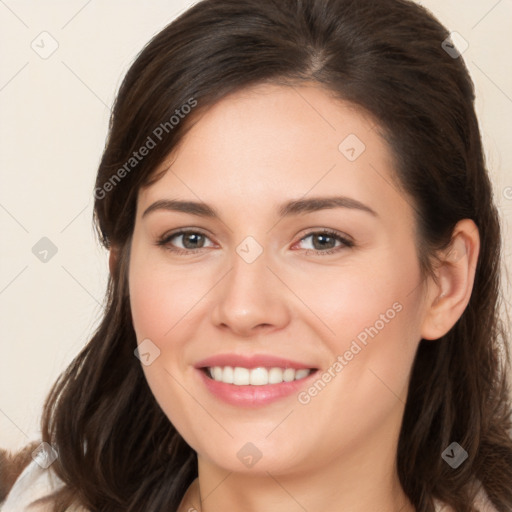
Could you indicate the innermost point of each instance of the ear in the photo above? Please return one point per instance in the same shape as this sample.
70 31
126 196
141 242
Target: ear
448 297
113 258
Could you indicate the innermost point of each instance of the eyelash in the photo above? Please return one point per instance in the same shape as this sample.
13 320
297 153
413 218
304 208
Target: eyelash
165 240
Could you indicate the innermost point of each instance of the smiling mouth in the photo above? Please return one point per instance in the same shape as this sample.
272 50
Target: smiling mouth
260 376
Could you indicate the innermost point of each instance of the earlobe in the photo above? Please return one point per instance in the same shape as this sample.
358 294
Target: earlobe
455 276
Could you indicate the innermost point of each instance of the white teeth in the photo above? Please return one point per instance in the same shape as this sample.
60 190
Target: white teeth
289 375
241 376
217 373
275 376
256 376
301 374
227 375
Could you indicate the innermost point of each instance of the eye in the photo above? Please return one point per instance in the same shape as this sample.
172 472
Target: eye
192 241
324 242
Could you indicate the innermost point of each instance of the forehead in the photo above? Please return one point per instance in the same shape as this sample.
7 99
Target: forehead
264 141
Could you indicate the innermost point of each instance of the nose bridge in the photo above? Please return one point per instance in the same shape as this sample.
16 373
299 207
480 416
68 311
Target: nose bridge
250 295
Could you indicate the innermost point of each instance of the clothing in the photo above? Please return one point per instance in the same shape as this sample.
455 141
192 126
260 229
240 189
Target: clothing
36 482
33 483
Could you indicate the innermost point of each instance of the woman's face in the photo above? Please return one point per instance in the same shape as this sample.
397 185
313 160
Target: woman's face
257 285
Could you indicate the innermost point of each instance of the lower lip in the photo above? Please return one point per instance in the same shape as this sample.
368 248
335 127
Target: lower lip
253 396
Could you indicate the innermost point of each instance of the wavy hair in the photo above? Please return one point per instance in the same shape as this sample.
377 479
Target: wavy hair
117 449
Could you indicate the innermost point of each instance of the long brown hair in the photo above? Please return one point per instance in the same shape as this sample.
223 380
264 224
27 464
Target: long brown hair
117 449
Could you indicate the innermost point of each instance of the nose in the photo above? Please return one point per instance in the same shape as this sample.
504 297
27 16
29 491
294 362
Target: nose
251 299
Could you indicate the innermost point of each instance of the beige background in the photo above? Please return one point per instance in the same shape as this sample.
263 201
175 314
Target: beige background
53 121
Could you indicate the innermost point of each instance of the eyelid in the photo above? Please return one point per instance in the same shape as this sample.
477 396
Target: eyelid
180 231
328 231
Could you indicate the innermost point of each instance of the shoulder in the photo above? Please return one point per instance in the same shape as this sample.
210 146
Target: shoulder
482 503
34 482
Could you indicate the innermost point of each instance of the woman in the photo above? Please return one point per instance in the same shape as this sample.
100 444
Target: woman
304 252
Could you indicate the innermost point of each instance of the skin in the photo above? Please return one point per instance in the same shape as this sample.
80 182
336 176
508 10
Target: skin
251 152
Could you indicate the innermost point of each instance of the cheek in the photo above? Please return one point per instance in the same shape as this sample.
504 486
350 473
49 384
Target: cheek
370 318
359 301
161 299
161 302
372 351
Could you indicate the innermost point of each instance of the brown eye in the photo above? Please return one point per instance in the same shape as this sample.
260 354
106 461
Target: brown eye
192 240
326 242
184 241
323 241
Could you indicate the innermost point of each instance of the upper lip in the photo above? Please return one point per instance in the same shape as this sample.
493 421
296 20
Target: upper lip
251 361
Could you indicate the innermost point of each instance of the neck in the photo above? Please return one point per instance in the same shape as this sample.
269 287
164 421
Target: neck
362 479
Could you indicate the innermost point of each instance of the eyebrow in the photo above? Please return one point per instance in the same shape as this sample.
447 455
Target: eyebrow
290 208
